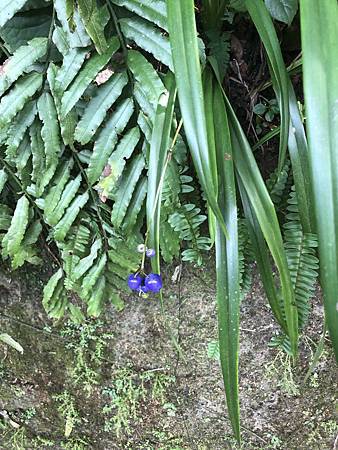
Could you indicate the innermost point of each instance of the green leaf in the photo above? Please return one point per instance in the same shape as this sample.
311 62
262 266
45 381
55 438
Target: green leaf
262 20
148 37
68 194
55 192
71 65
319 27
3 179
37 149
93 275
8 9
148 86
19 63
118 159
62 228
86 263
107 139
227 257
95 19
283 10
98 106
15 100
77 36
185 54
8 340
94 304
19 126
157 164
50 130
86 76
135 205
51 286
154 11
14 236
125 190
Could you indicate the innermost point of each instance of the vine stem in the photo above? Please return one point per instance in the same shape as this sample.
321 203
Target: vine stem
159 189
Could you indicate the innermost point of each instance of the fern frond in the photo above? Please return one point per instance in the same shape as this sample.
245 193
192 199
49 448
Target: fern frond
93 275
20 62
148 37
98 106
68 194
18 128
77 36
8 9
135 205
15 100
107 139
154 11
3 179
277 183
86 263
125 190
12 240
86 76
62 227
71 65
95 19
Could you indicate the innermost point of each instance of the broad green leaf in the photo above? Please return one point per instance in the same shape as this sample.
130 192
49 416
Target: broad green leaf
107 139
8 9
50 130
148 37
14 236
19 126
71 65
51 286
118 160
154 11
283 10
15 100
3 179
98 106
185 54
95 19
263 22
149 85
125 190
319 31
86 76
17 64
8 340
62 228
68 194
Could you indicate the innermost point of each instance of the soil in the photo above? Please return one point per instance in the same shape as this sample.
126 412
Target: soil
132 388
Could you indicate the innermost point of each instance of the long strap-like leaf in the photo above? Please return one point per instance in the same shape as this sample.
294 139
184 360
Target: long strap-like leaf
263 22
185 54
319 27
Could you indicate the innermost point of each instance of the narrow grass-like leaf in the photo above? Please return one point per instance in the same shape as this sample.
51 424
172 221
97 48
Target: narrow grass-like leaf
107 139
98 106
17 64
86 76
267 32
159 148
14 101
148 37
319 30
125 190
185 54
154 11
227 255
